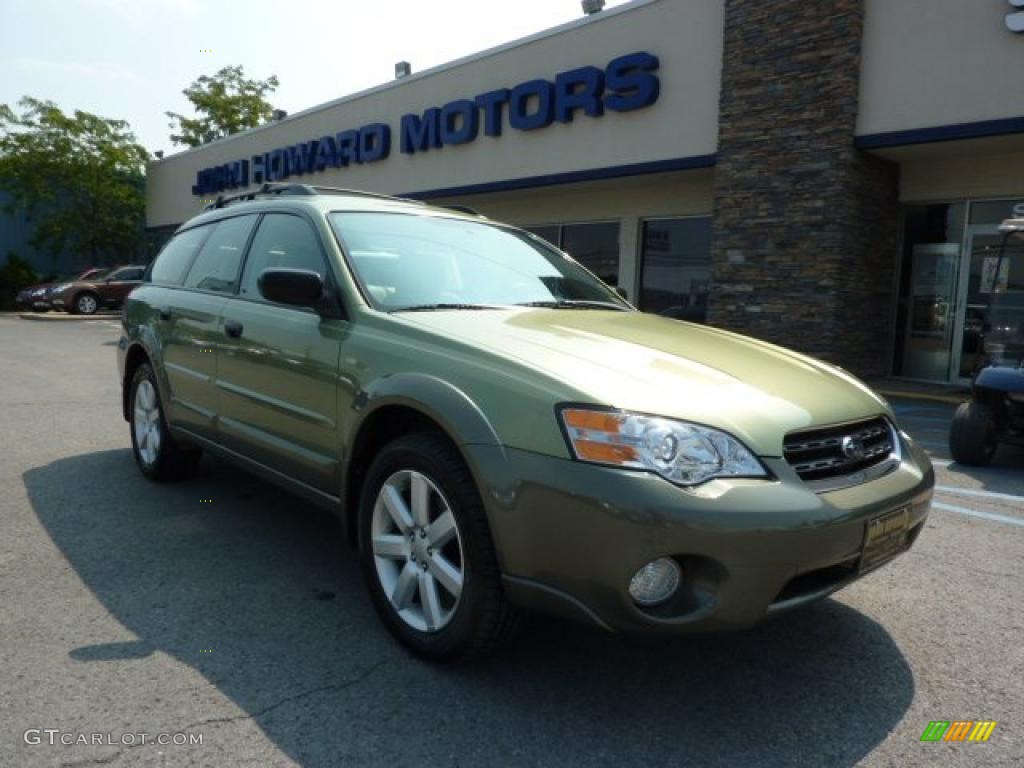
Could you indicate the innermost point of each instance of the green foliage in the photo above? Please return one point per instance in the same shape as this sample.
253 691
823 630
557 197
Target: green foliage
79 177
14 275
226 103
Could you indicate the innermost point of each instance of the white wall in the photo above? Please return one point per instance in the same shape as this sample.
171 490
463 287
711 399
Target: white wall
929 63
686 35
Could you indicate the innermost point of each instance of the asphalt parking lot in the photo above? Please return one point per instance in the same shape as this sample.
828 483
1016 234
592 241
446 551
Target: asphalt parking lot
224 608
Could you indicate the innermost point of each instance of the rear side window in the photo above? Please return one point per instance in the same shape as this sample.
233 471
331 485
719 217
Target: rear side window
216 267
281 241
170 265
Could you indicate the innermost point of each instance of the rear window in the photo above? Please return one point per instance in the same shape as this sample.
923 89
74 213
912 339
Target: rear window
216 267
169 267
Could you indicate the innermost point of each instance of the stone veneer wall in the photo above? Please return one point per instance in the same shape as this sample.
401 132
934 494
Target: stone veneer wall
805 231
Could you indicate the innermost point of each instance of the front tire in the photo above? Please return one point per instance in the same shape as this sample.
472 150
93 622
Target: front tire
85 304
159 456
973 435
427 554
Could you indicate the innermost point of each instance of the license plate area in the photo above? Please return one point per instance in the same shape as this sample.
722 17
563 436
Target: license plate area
885 537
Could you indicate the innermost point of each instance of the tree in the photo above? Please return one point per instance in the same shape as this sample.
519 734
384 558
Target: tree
78 177
226 103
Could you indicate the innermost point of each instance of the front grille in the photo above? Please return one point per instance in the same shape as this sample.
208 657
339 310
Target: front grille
828 452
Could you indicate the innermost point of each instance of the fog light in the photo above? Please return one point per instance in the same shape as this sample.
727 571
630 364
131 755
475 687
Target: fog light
656 582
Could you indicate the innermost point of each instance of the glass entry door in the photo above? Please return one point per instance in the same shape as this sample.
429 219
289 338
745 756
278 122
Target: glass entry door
928 348
991 323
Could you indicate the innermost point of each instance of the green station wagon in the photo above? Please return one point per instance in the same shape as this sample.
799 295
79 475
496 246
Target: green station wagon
499 431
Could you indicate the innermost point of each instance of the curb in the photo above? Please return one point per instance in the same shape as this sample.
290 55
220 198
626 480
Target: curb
953 399
62 317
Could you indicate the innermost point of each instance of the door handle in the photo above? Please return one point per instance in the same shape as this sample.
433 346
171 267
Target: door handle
165 313
233 328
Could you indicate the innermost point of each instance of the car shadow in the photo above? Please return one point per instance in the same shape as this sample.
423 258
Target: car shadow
259 594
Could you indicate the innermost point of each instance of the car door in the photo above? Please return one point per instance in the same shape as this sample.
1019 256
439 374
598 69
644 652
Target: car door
190 316
119 284
277 370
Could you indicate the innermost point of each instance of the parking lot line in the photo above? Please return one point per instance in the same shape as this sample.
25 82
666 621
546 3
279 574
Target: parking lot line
981 494
978 513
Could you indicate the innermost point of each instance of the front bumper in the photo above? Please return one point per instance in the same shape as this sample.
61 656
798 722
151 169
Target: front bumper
30 302
570 536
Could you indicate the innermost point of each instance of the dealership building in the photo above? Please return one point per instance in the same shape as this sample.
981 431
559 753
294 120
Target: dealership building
829 176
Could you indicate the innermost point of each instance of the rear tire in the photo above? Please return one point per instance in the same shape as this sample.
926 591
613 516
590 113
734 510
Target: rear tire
160 457
395 548
973 434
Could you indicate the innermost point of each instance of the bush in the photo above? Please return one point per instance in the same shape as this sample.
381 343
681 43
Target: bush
14 275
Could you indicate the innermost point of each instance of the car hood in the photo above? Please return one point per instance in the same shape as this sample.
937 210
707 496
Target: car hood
655 365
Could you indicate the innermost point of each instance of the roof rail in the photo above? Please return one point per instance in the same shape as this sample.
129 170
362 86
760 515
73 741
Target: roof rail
297 189
464 209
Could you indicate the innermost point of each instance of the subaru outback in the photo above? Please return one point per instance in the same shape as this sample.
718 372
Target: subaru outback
499 431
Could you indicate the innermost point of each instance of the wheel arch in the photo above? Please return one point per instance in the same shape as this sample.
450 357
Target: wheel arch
403 404
137 353
73 303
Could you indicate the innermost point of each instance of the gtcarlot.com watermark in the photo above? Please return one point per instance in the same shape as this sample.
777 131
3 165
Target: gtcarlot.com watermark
55 736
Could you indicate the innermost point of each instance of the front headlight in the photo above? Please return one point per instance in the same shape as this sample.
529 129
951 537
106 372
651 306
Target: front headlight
684 453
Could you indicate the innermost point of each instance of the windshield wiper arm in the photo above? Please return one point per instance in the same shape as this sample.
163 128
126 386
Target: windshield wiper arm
574 304
450 305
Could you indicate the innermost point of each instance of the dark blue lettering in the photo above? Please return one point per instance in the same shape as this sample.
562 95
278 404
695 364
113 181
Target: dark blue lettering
259 168
579 89
326 153
238 174
519 116
277 165
491 103
630 82
299 158
459 123
421 133
348 148
374 142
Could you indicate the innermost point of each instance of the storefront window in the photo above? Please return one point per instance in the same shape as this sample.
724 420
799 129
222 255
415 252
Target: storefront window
676 267
594 245
926 317
551 233
996 211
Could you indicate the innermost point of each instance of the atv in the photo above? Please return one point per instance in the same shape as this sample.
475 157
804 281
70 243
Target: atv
995 412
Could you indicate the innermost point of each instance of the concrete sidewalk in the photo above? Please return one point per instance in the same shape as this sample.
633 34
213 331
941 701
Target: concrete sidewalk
56 316
916 390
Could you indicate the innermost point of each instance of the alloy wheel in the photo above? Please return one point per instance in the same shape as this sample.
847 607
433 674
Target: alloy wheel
87 304
417 550
146 421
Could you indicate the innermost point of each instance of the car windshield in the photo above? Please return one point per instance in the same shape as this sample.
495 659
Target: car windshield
409 262
93 274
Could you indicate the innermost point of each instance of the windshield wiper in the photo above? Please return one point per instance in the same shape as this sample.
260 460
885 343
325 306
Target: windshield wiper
574 304
432 307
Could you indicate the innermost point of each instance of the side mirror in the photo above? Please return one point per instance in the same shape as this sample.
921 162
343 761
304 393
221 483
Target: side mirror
294 287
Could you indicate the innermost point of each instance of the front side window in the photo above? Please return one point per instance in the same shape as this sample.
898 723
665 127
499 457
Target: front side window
282 241
407 261
169 267
676 268
127 274
216 266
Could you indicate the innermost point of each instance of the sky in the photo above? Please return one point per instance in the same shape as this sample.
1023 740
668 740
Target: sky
130 59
